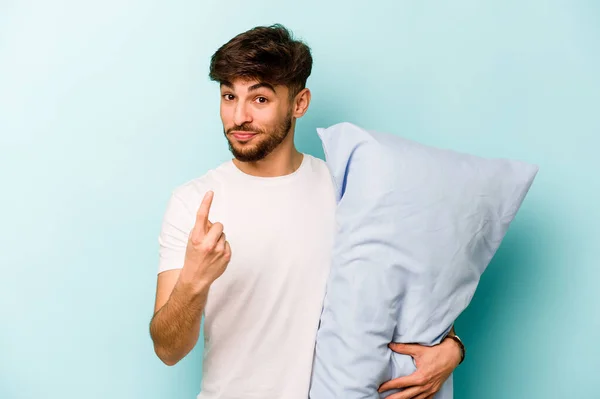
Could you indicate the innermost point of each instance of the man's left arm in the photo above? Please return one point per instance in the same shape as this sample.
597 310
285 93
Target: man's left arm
434 365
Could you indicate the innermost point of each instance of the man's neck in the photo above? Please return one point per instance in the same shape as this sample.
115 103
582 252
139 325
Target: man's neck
282 161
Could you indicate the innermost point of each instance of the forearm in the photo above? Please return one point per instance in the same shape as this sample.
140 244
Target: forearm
176 326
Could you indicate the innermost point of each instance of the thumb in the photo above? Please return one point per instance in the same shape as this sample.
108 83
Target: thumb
404 349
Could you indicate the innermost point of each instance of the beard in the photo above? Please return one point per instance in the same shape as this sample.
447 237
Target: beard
265 141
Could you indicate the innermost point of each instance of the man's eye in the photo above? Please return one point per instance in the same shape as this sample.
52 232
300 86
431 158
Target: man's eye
228 97
261 100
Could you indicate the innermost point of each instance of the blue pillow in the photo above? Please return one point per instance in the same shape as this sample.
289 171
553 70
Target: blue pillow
416 228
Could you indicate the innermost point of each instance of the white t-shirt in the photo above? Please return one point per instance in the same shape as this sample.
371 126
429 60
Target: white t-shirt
262 314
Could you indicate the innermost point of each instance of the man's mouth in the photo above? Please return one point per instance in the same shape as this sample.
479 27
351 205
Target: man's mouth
243 136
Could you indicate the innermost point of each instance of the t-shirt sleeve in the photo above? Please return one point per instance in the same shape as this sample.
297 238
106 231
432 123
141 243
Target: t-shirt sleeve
177 224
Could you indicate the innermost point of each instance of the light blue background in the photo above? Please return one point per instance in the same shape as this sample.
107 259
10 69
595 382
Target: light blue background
105 107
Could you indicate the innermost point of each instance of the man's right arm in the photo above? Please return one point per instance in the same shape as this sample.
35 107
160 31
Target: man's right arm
175 326
181 292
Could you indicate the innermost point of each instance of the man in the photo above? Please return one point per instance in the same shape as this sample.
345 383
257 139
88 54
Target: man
248 244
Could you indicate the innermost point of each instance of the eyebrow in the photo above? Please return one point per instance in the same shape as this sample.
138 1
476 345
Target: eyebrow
261 85
253 87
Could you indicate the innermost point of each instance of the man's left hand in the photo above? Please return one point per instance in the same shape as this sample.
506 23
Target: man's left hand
434 366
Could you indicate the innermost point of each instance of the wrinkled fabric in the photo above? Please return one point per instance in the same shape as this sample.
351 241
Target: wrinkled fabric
416 228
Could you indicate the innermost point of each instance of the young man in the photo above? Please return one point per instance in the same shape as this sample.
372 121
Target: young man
247 245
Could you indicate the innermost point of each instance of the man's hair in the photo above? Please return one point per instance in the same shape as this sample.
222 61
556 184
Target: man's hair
266 53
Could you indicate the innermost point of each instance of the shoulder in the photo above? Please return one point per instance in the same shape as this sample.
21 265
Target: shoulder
191 192
321 177
317 165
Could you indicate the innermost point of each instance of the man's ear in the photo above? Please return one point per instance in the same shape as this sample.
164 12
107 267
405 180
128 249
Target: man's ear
301 103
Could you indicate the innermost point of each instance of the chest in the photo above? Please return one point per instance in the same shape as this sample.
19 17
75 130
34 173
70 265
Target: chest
279 238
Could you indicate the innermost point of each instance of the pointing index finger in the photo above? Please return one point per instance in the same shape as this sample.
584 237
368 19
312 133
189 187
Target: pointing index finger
202 214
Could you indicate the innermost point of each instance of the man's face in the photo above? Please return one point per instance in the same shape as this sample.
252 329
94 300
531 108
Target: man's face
256 118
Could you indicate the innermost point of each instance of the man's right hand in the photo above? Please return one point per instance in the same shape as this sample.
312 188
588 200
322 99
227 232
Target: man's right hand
208 252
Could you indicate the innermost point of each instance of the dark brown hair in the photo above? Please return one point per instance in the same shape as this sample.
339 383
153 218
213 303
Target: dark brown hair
266 53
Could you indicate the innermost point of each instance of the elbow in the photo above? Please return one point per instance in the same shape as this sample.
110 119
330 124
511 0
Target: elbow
169 362
166 358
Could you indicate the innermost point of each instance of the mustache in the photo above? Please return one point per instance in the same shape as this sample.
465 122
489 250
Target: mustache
244 128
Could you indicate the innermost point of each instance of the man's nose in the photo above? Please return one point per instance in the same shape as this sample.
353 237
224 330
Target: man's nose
242 114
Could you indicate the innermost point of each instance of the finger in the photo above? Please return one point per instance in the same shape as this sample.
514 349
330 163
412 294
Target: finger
213 235
227 254
202 223
197 234
220 247
408 381
405 349
409 393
